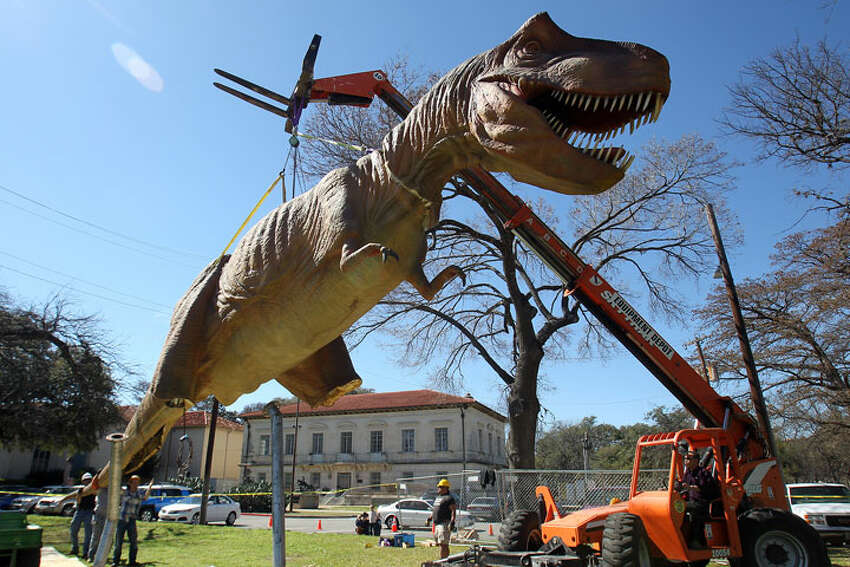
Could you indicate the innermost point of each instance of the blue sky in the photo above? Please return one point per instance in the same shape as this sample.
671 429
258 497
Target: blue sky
171 162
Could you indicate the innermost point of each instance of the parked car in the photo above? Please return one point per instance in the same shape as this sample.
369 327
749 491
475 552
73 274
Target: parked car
161 495
220 508
54 505
430 495
484 508
826 507
415 513
27 502
10 492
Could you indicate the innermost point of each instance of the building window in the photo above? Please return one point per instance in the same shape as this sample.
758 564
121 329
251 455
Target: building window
408 440
318 443
441 439
481 440
289 444
442 474
499 446
264 444
375 479
40 460
343 480
490 442
345 442
376 441
407 474
316 480
261 477
287 482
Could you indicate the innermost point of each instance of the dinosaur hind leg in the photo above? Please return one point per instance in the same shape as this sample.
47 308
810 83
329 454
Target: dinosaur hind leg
145 433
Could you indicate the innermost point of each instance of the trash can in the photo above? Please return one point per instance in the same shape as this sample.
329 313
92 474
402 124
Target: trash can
20 543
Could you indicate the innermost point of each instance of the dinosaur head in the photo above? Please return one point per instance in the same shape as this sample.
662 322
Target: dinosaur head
546 104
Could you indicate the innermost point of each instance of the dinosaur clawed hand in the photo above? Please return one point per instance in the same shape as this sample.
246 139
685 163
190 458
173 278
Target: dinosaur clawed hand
386 253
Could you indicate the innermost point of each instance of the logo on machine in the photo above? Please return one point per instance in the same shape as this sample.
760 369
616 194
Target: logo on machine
637 322
720 553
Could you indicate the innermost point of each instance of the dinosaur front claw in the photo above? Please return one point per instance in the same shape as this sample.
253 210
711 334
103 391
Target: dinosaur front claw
386 252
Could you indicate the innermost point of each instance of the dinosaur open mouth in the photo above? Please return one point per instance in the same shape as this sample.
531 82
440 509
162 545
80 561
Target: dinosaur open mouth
585 121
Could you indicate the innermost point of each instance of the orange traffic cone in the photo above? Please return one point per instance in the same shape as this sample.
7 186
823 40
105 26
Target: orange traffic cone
319 525
490 529
270 520
395 524
433 528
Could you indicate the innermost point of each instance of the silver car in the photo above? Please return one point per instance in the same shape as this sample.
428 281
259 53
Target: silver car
416 513
55 505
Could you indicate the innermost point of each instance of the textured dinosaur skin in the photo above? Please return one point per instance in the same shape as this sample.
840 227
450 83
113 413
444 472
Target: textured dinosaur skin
302 275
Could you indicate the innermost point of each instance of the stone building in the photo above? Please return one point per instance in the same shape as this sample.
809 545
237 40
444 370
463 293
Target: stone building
365 440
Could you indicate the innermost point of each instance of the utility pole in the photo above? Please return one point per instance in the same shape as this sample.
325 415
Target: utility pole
294 452
741 330
205 492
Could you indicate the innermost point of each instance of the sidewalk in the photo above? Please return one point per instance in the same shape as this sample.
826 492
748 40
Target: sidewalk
52 558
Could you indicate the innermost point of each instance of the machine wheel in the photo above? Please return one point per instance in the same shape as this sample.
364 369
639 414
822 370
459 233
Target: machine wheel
521 532
774 538
231 519
624 542
147 515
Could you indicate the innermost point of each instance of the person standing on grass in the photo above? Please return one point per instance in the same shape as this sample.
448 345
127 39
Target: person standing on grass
131 499
443 516
82 517
374 521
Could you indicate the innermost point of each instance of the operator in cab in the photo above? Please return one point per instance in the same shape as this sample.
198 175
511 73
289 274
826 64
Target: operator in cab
698 487
443 516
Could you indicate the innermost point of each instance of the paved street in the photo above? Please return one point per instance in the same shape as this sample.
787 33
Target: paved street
346 526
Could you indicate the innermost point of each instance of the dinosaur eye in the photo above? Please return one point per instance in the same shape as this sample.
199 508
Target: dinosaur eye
531 48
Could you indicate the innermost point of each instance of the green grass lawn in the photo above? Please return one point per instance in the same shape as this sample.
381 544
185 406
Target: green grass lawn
220 546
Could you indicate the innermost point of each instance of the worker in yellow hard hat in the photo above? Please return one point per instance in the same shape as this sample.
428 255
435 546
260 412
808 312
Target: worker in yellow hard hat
443 516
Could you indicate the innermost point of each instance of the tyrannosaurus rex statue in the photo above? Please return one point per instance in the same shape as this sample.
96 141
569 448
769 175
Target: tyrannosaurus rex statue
537 106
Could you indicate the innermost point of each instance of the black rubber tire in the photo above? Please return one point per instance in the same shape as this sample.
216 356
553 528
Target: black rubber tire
624 542
147 515
774 538
67 510
231 519
196 518
521 532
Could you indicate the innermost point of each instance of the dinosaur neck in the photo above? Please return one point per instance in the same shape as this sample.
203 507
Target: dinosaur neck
433 143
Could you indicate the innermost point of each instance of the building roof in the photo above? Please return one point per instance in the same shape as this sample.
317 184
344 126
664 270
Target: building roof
189 419
384 402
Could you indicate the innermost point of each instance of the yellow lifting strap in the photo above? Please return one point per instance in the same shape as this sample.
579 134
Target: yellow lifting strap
278 179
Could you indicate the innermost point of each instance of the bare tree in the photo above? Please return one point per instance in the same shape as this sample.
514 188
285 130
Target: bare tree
795 105
512 311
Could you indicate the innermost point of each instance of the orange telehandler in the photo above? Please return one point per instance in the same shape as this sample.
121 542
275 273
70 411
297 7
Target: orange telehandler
749 523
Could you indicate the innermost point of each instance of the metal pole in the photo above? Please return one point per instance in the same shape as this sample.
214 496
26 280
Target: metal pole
278 500
463 450
113 513
702 360
295 452
205 491
741 330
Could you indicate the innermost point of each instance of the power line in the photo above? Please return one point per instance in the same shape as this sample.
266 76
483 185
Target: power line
98 237
97 226
159 311
57 272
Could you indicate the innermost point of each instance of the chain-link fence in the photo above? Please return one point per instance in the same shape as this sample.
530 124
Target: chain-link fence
514 489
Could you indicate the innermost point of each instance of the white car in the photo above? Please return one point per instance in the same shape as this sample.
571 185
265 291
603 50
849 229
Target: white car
220 508
826 507
416 513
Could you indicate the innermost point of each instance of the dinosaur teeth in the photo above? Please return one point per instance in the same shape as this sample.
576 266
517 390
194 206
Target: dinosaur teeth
657 110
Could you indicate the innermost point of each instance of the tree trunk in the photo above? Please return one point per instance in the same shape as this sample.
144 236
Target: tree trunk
523 408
